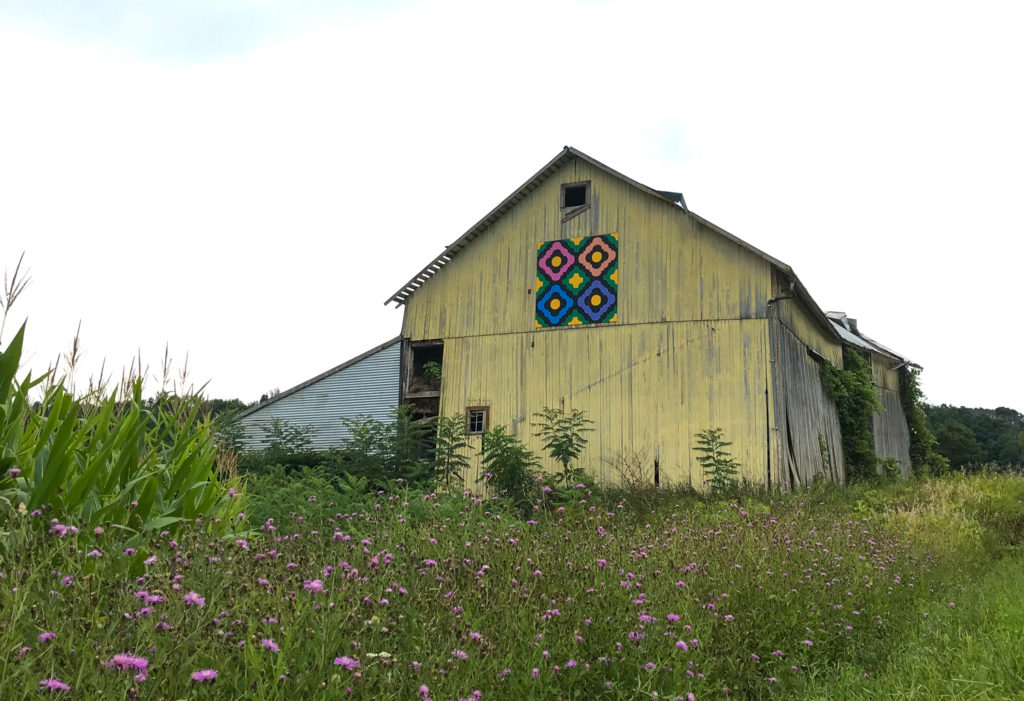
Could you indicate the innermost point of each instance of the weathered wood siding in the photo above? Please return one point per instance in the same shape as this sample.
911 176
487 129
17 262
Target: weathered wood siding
808 433
648 387
671 267
891 432
368 387
689 350
795 316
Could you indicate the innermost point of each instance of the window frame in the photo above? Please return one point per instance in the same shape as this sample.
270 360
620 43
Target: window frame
486 411
585 184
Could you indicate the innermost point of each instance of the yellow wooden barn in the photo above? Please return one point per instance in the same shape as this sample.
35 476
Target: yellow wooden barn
586 290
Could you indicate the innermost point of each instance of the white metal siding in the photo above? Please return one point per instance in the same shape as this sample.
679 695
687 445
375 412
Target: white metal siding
368 387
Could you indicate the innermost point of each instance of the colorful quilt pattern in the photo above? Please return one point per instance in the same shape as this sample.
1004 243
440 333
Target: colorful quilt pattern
577 281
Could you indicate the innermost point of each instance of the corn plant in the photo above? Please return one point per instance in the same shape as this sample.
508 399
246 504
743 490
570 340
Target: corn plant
107 460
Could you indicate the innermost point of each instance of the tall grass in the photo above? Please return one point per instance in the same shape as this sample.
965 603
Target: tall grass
765 597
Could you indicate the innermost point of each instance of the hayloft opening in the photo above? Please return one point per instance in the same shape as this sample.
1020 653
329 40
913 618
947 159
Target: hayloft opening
421 377
575 194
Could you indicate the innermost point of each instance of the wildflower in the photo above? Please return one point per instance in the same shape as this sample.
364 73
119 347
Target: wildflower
534 673
14 472
755 658
424 692
53 684
127 662
98 530
315 586
269 644
47 635
459 654
129 551
204 675
346 662
430 563
672 617
681 644
193 599
67 581
809 643
151 560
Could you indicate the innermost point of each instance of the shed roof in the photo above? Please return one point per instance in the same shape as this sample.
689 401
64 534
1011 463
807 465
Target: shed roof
327 373
564 156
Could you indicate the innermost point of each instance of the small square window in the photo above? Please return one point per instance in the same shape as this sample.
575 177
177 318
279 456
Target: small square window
477 419
575 195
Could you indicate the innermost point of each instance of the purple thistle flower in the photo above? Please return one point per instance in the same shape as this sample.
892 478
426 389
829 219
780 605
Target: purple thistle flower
346 662
681 644
204 675
315 586
459 654
126 662
53 684
269 644
193 599
151 560
46 635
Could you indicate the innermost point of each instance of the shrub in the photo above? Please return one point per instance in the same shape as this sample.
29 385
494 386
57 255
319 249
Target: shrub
509 468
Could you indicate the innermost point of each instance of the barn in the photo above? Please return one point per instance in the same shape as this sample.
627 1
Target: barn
366 385
585 289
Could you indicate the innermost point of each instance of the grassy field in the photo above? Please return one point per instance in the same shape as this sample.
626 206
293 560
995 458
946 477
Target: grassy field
910 590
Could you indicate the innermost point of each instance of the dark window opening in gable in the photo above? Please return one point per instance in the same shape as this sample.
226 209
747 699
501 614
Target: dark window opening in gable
575 195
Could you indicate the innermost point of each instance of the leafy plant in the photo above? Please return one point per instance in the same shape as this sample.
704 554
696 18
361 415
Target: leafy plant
720 469
564 437
856 401
450 459
923 456
388 451
509 467
432 370
108 460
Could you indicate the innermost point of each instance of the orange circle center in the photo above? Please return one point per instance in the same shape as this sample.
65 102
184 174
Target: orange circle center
595 300
596 256
556 303
556 261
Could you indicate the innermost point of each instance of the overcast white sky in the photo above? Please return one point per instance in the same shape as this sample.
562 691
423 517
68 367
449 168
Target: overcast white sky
249 181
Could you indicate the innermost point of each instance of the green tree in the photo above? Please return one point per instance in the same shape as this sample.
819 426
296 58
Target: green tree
959 445
450 459
564 437
720 469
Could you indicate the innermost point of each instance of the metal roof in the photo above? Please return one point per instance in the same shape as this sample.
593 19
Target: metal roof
337 368
856 338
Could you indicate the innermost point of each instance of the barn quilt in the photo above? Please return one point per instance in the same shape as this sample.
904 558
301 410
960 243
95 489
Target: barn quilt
577 281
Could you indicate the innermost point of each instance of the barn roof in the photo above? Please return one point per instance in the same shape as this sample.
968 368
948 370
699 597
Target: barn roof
327 373
564 156
848 331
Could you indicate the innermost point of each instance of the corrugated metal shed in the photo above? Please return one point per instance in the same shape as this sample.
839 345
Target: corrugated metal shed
366 385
